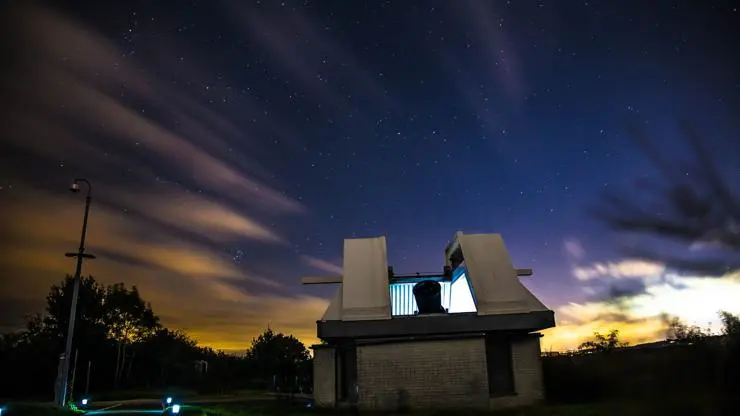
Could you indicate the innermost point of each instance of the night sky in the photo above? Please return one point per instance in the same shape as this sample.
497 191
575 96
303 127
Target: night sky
232 146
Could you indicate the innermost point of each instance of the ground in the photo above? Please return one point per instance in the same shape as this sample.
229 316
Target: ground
265 405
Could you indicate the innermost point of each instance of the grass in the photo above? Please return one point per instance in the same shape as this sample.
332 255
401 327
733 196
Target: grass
677 407
142 394
33 409
696 406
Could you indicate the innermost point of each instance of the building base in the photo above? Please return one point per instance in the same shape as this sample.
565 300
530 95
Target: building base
479 370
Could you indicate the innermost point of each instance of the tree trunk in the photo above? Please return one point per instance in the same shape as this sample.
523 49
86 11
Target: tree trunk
118 363
130 364
123 361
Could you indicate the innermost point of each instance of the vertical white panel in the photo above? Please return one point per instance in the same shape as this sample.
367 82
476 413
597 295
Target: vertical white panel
493 278
365 292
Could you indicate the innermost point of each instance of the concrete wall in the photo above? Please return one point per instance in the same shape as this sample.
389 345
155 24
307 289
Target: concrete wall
527 368
324 376
429 373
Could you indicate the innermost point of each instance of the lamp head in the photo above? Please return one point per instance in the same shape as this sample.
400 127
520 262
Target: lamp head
74 187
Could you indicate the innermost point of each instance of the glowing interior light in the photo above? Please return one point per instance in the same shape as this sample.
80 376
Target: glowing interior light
168 400
176 409
461 297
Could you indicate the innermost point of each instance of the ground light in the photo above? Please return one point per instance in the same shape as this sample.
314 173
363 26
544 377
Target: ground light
168 400
84 402
175 409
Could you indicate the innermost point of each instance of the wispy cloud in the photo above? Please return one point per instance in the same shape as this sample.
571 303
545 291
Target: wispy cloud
322 265
171 191
497 51
574 248
618 270
305 51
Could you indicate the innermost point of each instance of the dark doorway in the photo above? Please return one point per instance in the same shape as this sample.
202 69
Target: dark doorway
499 365
347 373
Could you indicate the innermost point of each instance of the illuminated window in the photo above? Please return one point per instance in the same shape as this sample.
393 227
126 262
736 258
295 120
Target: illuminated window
456 296
404 303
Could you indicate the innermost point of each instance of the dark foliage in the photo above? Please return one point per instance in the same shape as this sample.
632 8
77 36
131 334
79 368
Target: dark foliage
120 338
694 365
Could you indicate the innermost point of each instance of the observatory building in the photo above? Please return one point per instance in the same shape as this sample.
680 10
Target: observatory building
464 337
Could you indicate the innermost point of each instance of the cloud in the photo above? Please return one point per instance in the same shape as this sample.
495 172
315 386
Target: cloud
497 50
296 46
574 248
171 188
323 265
84 71
188 283
642 316
568 336
618 270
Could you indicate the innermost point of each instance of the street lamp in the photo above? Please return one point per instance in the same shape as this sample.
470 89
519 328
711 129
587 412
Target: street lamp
80 254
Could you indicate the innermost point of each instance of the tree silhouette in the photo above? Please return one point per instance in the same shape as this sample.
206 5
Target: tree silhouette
730 324
603 343
119 336
697 207
129 320
679 331
90 322
278 356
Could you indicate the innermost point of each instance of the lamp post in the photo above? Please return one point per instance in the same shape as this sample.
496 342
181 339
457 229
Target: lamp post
80 254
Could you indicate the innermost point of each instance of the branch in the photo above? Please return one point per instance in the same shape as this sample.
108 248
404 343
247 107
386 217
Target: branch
711 175
698 267
697 206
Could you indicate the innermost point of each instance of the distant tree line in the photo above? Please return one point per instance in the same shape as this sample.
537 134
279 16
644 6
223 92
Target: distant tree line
124 346
677 332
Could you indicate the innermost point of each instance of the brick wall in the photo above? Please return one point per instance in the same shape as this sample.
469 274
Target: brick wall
527 368
324 376
439 373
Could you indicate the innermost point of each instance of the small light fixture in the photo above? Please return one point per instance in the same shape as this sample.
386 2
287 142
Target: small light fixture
84 401
175 409
168 400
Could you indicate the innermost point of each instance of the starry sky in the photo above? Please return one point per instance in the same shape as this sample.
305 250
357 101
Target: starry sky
233 145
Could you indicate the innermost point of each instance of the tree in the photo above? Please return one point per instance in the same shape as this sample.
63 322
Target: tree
603 343
730 324
129 320
696 206
90 321
681 332
168 358
115 321
277 355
